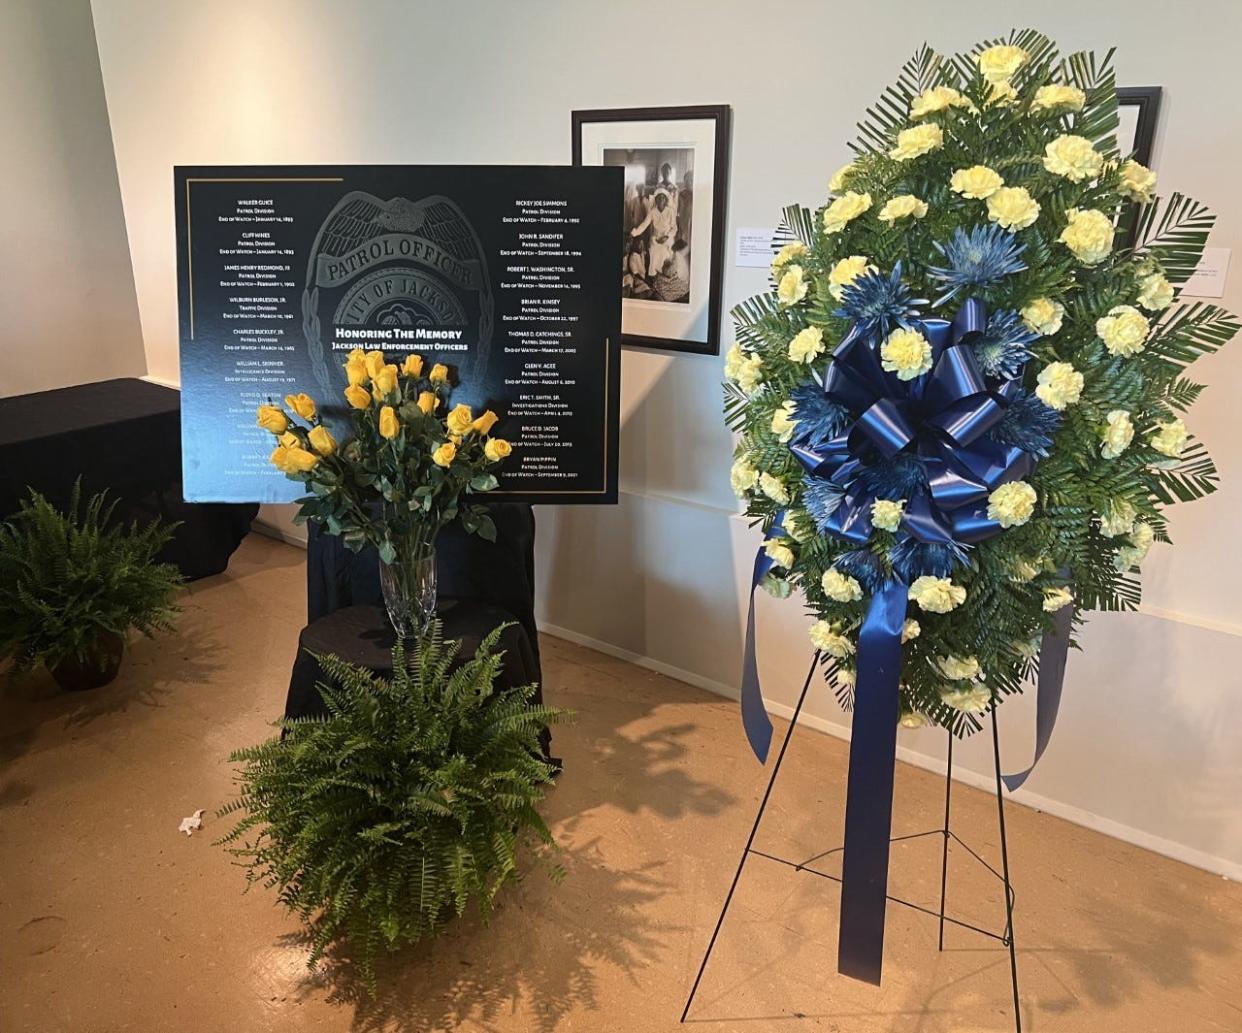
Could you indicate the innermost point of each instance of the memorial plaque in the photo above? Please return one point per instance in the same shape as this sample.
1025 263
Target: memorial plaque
507 274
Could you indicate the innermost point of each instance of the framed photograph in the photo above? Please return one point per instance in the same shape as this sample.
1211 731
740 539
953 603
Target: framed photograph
676 163
1138 107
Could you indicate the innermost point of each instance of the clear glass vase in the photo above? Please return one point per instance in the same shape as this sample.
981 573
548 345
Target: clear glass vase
409 586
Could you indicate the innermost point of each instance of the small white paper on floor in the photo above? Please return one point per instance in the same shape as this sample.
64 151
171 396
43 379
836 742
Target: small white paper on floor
191 824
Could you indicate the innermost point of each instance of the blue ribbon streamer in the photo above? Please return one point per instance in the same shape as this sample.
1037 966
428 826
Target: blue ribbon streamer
755 718
1053 654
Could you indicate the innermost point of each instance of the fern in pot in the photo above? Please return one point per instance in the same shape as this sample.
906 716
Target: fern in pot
404 806
72 586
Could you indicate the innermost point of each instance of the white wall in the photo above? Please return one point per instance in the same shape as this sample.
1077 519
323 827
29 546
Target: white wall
1148 747
67 309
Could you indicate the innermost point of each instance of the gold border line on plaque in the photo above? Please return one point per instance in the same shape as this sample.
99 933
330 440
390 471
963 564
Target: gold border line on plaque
576 491
189 222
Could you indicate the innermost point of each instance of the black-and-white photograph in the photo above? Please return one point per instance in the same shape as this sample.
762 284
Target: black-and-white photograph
659 212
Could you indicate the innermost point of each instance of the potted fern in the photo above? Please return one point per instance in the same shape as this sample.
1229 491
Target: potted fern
75 584
402 807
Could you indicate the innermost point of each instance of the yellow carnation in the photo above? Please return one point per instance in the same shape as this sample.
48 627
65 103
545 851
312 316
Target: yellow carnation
773 489
919 140
938 98
903 206
977 182
886 514
389 426
1012 504
936 594
792 250
1001 63
907 353
743 477
322 441
837 183
910 630
1052 97
1155 292
1137 182
1001 94
1056 598
272 419
792 287
844 209
783 423
744 369
1013 208
840 587
846 272
913 719
1124 330
779 552
972 699
1059 385
1074 158
828 638
1088 234
807 345
1170 438
958 668
460 419
1118 518
1118 433
1043 316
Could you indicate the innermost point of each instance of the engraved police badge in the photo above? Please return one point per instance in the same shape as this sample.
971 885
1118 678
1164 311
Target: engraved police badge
417 265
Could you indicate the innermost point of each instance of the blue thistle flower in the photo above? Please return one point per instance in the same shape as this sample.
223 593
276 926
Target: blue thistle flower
865 567
1001 349
979 258
897 478
1028 424
819 418
821 497
912 559
876 302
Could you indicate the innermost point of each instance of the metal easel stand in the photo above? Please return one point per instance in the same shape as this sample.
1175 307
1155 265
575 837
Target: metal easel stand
1006 937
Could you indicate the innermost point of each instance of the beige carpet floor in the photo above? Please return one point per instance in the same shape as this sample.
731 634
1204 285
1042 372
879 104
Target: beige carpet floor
111 920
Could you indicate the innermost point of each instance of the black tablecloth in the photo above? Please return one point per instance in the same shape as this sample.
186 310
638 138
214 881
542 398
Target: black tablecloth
123 436
363 635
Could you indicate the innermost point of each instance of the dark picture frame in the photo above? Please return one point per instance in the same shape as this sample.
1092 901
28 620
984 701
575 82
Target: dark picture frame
651 266
1146 99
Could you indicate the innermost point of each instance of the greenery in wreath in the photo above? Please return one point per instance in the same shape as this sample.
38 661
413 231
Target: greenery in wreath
965 380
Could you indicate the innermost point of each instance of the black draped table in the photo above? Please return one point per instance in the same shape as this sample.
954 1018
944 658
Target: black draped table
123 436
363 636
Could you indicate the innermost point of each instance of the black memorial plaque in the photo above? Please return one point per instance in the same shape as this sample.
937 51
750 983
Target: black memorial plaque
507 274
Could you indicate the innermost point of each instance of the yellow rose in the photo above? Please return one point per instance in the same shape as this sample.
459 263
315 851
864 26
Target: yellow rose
356 368
302 404
413 365
439 373
794 249
903 206
1058 385
1012 504
1118 433
375 362
1074 158
938 98
444 455
936 594
289 440
293 460
427 402
828 638
917 141
384 382
844 209
484 424
807 345
1124 330
1043 316
460 419
1013 208
846 272
1089 234
907 353
977 182
1137 182
792 288
1002 62
840 587
837 183
1155 292
389 425
272 419
357 396
322 441
1049 98
1170 438
886 514
497 449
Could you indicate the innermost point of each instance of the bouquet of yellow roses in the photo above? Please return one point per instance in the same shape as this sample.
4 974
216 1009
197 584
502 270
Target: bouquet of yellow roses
400 476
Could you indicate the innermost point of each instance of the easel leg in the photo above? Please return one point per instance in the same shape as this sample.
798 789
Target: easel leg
944 860
750 841
1009 937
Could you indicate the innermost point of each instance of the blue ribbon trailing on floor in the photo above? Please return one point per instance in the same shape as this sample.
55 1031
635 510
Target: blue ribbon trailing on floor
942 418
